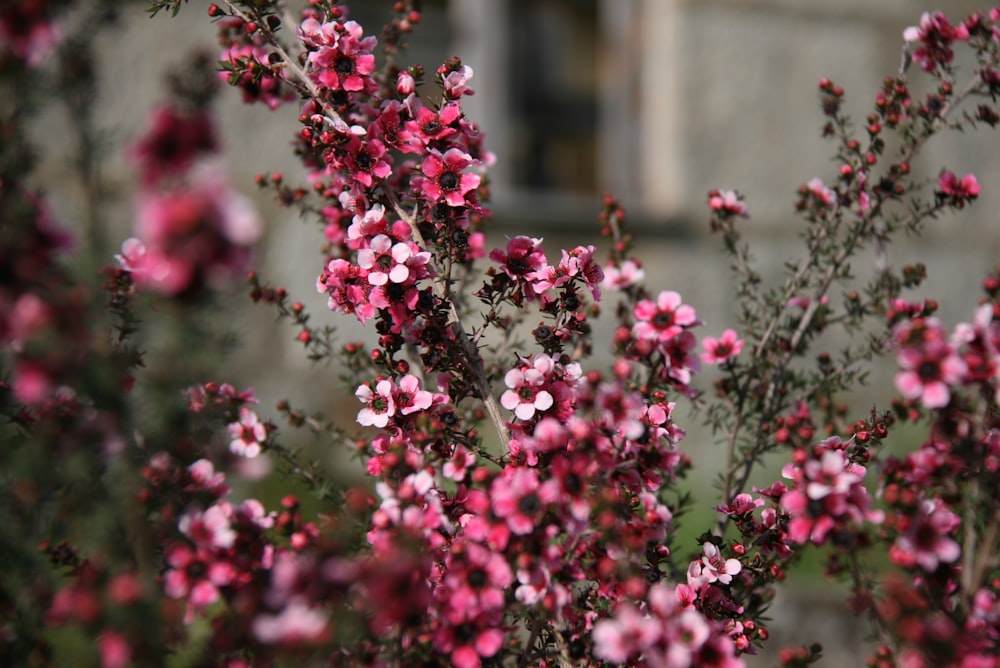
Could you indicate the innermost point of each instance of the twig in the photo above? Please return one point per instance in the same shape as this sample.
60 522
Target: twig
470 352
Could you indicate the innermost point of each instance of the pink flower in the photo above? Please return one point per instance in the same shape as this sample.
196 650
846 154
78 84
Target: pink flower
721 349
459 464
409 398
173 142
627 634
476 581
380 405
727 202
27 31
456 82
828 492
520 499
115 650
386 261
367 160
625 276
935 35
345 62
196 576
247 433
429 128
191 235
742 504
928 372
961 190
526 396
296 623
664 319
523 260
446 179
468 643
211 528
712 567
927 540
821 193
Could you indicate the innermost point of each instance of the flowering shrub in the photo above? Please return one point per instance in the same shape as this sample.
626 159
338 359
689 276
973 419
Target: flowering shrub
524 503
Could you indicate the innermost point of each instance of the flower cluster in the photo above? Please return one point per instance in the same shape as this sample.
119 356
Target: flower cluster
827 493
192 228
670 634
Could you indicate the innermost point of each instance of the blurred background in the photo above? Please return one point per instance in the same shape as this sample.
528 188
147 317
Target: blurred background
653 101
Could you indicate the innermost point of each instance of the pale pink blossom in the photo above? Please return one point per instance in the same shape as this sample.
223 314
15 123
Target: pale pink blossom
380 405
719 350
622 277
247 434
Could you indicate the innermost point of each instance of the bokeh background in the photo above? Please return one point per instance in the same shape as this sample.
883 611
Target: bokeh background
654 101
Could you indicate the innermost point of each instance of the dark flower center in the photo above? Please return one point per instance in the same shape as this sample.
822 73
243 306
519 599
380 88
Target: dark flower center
478 578
529 504
663 319
363 161
196 570
928 371
517 265
344 66
449 181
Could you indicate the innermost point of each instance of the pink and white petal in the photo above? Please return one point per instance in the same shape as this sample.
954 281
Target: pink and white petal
524 411
543 401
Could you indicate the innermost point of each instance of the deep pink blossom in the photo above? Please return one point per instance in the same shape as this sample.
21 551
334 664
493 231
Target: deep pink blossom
343 58
935 36
114 649
446 178
523 260
628 634
367 160
476 581
430 128
961 190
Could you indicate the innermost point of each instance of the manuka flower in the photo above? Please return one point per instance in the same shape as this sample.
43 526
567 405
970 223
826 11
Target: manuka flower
446 179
